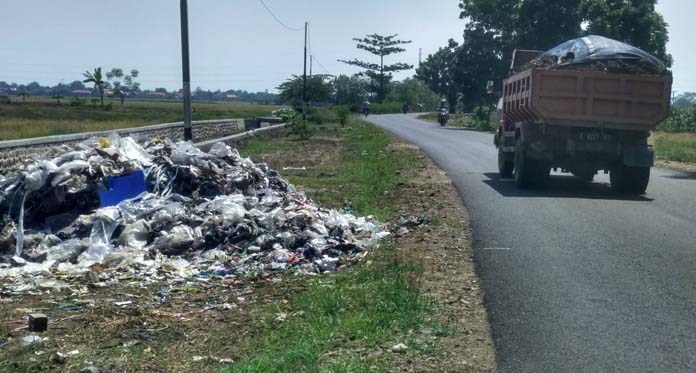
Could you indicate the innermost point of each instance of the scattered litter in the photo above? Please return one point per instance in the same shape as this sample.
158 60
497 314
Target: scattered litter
69 353
400 348
303 168
37 322
124 303
28 340
202 215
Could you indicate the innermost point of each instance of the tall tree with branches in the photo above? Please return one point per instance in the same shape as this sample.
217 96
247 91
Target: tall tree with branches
381 46
98 80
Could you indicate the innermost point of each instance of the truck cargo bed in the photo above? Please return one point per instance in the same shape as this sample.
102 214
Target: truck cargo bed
587 99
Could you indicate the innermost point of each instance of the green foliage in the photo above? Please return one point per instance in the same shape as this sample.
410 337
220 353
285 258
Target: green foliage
481 119
686 99
681 119
634 22
414 92
351 91
287 114
300 128
380 46
320 116
97 79
76 101
367 306
42 117
385 108
496 27
319 89
342 114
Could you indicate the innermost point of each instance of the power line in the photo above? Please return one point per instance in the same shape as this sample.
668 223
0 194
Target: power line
276 18
320 65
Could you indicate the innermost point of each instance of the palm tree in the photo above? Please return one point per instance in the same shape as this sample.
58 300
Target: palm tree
98 81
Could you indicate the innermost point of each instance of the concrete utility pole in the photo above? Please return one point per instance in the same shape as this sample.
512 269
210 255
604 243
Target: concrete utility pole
188 132
304 75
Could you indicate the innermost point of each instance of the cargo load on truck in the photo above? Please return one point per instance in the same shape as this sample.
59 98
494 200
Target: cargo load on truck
598 53
585 106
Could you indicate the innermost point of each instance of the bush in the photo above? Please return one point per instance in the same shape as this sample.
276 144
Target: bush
76 101
680 120
342 114
480 119
320 116
109 106
385 108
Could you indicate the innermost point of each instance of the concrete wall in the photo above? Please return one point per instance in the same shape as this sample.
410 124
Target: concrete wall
14 153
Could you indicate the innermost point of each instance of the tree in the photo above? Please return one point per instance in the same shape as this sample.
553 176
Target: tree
319 89
351 90
23 95
124 84
57 98
438 73
380 46
686 99
98 81
633 22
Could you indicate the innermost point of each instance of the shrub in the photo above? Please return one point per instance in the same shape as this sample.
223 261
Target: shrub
680 120
342 114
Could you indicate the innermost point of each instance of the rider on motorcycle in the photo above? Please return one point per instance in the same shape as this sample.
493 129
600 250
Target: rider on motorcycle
443 115
404 107
366 107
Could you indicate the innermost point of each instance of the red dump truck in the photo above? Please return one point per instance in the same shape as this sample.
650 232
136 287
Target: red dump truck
581 117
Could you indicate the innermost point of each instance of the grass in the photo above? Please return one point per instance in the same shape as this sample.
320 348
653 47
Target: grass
365 169
44 117
341 322
679 147
339 316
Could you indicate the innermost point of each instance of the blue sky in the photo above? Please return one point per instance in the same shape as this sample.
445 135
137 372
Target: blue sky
235 43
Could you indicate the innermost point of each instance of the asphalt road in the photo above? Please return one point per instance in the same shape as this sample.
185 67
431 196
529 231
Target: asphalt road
576 278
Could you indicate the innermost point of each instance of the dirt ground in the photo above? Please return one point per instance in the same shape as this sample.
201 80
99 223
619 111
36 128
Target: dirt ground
444 247
677 166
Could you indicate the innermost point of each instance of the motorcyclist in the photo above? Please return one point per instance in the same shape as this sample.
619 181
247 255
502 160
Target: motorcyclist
404 107
366 107
443 114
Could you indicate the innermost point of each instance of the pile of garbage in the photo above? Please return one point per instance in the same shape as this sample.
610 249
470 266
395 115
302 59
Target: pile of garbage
598 53
163 206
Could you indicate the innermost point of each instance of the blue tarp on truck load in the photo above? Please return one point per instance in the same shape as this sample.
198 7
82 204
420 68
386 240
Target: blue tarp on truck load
594 48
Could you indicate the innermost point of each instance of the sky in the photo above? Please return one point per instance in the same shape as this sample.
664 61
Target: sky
236 44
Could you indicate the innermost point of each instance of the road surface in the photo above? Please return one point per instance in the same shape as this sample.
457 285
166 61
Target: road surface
576 278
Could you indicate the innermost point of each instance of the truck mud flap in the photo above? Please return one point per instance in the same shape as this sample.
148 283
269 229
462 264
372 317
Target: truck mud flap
638 156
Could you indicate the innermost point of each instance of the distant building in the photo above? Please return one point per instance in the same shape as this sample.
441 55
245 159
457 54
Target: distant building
231 96
156 94
81 92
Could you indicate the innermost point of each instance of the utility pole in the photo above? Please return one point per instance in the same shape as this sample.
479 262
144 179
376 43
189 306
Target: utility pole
311 60
188 132
420 54
304 75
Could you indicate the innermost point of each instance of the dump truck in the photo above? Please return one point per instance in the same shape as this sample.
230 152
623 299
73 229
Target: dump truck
583 107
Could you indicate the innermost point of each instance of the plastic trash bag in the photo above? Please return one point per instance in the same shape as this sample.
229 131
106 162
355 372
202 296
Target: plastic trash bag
594 48
135 235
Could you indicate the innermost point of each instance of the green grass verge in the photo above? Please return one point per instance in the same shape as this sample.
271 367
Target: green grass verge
680 147
365 170
342 322
331 324
40 117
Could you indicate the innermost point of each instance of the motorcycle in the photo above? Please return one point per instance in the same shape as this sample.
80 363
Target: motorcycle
404 109
443 117
366 111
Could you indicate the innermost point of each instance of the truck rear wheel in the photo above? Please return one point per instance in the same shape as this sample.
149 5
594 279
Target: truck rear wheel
529 172
631 180
505 166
